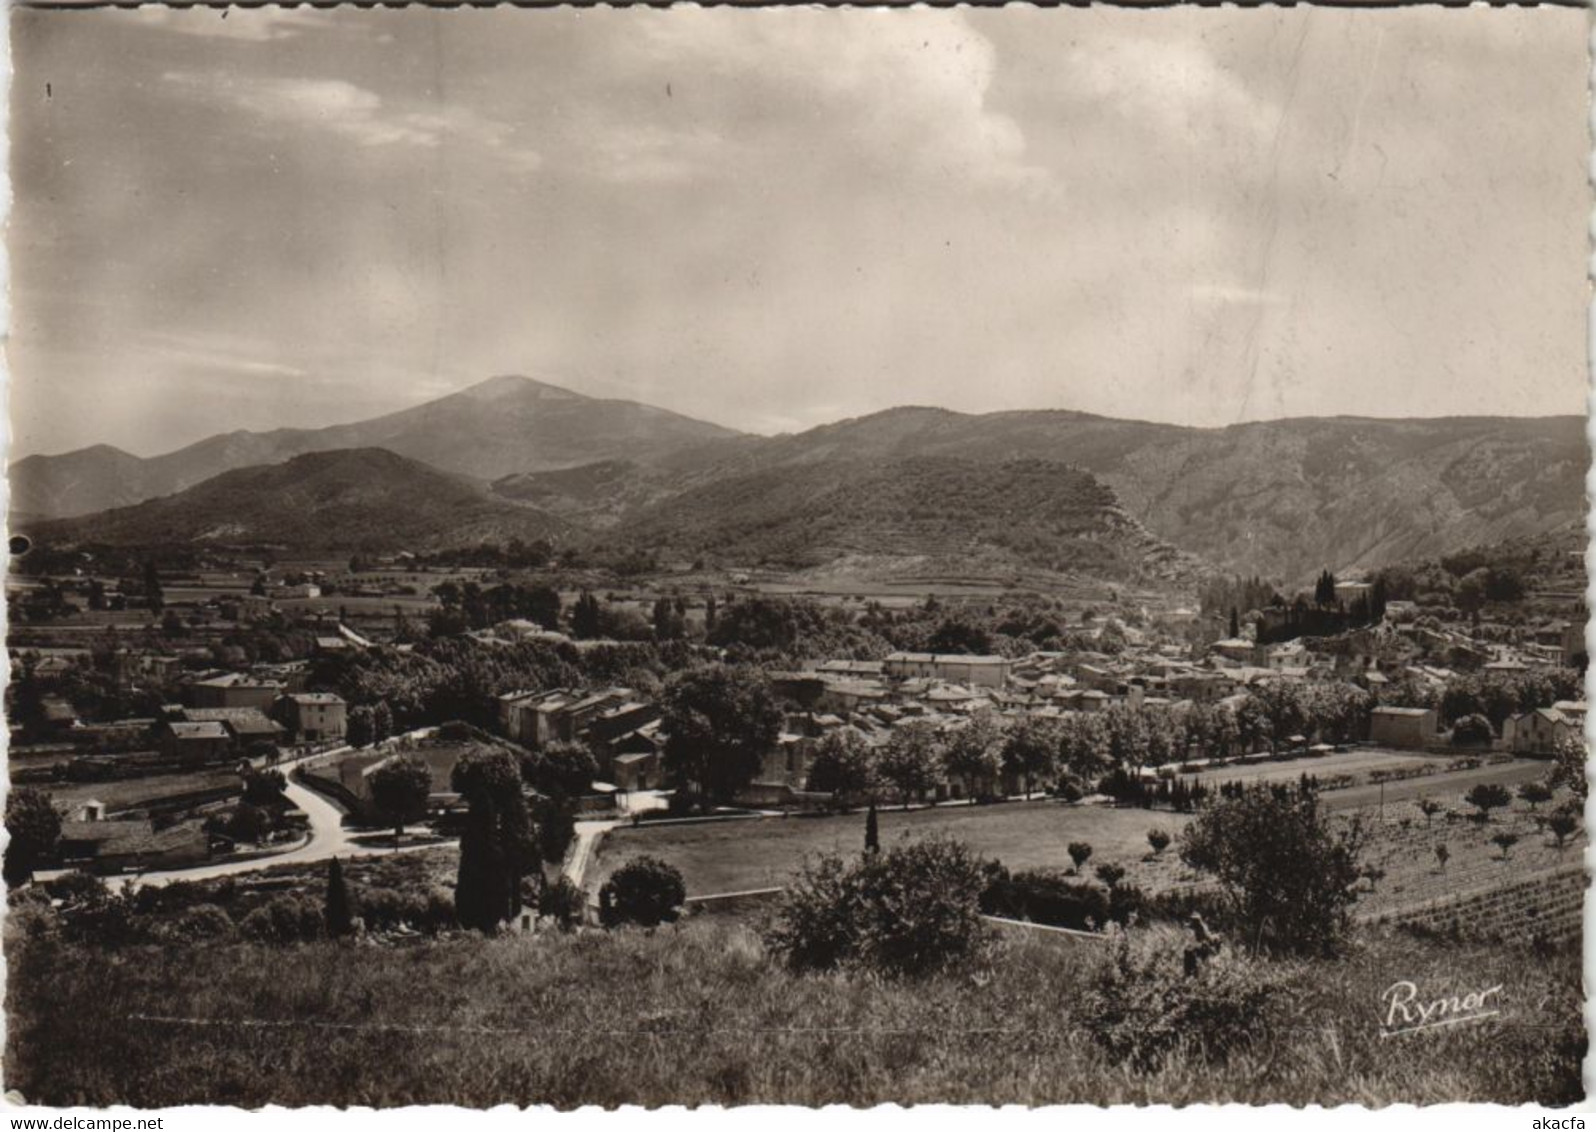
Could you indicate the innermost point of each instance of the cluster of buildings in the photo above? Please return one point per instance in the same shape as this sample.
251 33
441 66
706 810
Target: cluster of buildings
620 727
872 697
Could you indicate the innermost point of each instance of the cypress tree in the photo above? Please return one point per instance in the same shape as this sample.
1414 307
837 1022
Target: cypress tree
872 831
1235 624
497 847
340 916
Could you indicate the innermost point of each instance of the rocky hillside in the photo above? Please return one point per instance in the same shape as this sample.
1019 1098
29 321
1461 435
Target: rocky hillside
919 516
1278 498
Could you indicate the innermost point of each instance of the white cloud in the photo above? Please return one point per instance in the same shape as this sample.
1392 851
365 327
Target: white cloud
214 352
1175 87
354 112
906 87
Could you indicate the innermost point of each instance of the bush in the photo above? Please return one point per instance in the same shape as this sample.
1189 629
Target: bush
1290 875
196 924
1046 898
1141 1007
1487 796
563 901
1069 789
646 891
1472 731
283 919
909 911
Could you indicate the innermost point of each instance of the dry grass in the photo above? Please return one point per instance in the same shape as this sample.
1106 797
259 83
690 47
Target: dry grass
699 1014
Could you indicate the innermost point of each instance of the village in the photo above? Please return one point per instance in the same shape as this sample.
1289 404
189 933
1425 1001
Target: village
245 753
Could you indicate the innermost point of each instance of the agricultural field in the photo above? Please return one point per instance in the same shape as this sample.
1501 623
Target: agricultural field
1365 762
132 793
735 856
1403 844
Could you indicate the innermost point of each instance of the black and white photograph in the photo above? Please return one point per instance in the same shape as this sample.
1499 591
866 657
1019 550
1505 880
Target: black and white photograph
796 556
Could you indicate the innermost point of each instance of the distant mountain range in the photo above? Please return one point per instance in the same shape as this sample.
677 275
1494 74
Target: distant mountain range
352 498
497 427
889 492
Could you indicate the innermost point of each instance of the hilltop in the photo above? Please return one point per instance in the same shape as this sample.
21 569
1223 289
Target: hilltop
495 428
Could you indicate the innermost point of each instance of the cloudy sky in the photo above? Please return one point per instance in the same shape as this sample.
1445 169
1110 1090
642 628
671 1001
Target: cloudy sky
771 219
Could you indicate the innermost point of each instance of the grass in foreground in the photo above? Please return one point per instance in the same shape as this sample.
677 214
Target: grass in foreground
700 1014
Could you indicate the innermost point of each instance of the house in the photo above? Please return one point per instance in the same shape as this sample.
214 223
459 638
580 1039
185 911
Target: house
195 744
132 667
233 690
851 669
1573 711
986 671
246 725
637 759
1402 727
58 714
312 717
1573 643
617 721
1292 654
1536 732
843 697
976 671
1398 612
121 846
1237 649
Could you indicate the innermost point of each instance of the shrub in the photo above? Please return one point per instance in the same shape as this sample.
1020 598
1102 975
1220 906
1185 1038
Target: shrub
1487 796
1080 852
909 911
1110 873
1534 793
646 891
1158 839
1562 825
197 924
563 901
283 919
1046 898
1141 1007
1291 877
1472 731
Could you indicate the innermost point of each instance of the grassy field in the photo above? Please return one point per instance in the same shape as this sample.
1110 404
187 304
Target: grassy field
734 856
700 1014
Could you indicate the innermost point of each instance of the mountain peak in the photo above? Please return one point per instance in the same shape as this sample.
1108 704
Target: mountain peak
513 385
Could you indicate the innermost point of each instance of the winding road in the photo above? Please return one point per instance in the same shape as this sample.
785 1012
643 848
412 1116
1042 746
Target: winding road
328 838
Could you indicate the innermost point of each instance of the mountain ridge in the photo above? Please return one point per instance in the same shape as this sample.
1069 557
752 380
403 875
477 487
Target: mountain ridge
346 499
509 423
1279 498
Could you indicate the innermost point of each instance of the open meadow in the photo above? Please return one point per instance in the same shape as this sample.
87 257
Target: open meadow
736 856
